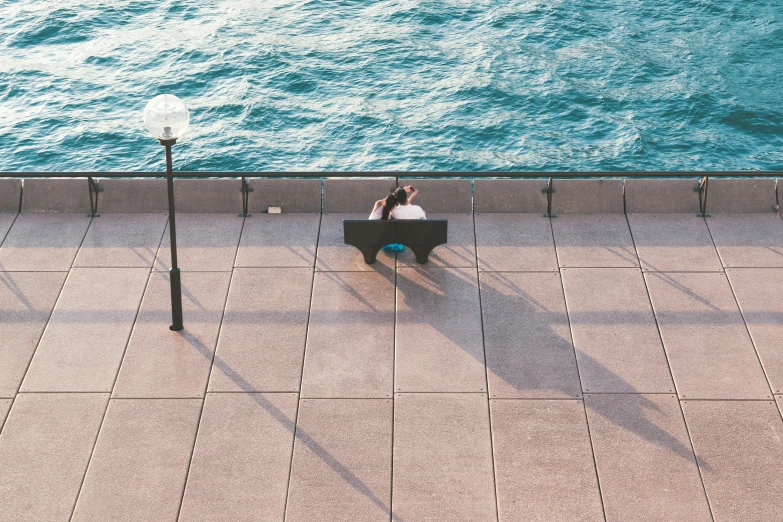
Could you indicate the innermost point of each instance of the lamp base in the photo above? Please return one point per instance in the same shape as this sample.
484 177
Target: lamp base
176 301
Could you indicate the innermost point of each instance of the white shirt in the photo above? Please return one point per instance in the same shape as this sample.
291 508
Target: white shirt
408 212
378 214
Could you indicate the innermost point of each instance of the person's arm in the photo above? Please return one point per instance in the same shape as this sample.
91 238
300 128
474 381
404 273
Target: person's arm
378 203
411 192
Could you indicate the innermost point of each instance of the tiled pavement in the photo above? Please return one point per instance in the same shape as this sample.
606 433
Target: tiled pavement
587 367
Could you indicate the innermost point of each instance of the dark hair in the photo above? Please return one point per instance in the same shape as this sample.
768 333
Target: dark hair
401 196
388 205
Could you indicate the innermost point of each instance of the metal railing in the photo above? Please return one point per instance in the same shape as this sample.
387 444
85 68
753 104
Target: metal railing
703 178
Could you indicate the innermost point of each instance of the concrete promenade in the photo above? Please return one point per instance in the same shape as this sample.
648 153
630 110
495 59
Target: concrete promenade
621 361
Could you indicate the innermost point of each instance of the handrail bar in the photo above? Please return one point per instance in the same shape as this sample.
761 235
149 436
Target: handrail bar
403 174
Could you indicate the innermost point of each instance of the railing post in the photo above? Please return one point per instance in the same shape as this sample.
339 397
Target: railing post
94 188
548 190
703 185
246 190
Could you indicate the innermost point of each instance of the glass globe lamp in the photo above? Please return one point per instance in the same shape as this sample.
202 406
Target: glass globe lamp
166 117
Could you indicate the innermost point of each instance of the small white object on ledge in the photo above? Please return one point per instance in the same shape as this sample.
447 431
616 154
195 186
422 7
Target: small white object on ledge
274 210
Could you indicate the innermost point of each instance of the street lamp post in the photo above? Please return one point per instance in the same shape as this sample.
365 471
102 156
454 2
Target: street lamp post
166 117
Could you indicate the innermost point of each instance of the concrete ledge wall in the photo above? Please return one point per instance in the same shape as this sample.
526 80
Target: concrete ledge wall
661 195
587 196
355 195
441 195
133 195
208 195
292 195
740 195
509 195
10 195
358 195
56 195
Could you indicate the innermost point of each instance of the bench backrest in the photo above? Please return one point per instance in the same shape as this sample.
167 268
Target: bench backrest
410 232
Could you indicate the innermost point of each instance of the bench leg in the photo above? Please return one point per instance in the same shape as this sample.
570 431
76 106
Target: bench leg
369 254
422 254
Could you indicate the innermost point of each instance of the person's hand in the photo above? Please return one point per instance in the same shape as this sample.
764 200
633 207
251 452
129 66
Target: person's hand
409 189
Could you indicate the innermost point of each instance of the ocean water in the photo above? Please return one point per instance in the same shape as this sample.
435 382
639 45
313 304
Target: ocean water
451 85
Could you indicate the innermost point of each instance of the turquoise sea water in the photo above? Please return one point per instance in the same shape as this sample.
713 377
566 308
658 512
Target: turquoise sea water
395 84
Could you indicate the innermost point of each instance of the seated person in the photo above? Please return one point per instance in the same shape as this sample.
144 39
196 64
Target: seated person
404 209
383 208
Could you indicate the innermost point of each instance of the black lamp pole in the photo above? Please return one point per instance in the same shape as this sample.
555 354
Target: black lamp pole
176 285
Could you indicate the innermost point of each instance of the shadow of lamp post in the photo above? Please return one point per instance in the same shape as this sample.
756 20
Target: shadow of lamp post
167 118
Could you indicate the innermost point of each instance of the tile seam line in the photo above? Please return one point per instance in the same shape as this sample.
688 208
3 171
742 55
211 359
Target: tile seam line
13 221
579 374
742 314
40 336
486 375
671 372
394 387
8 413
692 399
116 373
150 271
538 398
304 356
752 342
51 312
714 244
41 271
211 366
431 392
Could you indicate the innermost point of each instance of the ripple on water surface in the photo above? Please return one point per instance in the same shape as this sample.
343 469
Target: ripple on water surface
395 84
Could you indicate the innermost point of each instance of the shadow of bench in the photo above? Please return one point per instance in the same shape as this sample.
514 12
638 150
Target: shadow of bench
420 235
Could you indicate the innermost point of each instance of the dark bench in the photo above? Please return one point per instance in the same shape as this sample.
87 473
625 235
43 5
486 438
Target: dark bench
420 235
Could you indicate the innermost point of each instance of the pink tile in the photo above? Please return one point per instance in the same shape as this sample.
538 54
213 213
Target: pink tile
526 336
708 346
335 255
439 344
618 348
26 301
274 240
262 338
443 457
82 346
459 251
748 240
674 243
645 462
758 293
515 242
162 363
141 458
338 473
122 240
205 243
44 450
594 241
43 242
350 343
543 461
257 430
739 447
